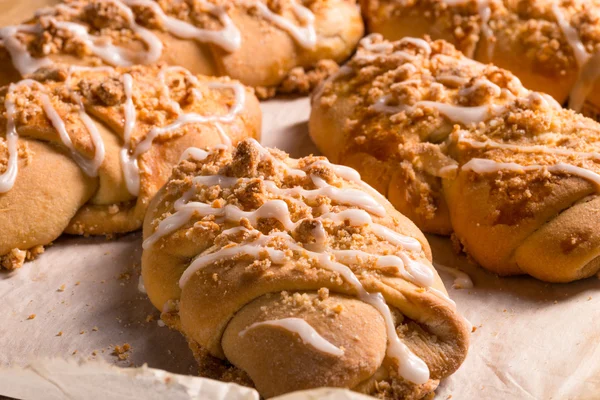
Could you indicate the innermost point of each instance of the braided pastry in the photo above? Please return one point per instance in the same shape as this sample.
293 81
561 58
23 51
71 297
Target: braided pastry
299 275
85 150
463 147
551 45
263 44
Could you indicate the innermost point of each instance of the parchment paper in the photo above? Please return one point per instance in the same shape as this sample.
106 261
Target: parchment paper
80 299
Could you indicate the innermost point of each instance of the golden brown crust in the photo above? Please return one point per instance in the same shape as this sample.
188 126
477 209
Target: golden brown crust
524 37
217 300
387 110
72 199
266 62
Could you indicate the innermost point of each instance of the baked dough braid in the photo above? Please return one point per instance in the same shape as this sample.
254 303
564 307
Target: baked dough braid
292 274
84 150
285 44
463 147
551 45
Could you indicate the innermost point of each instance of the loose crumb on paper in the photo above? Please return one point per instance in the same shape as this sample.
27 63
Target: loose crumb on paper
59 333
125 276
62 288
31 316
122 352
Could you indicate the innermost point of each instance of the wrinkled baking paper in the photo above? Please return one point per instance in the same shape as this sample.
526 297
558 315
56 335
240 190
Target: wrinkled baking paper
60 379
80 299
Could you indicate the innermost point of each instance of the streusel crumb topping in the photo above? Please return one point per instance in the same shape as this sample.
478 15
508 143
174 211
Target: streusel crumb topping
428 108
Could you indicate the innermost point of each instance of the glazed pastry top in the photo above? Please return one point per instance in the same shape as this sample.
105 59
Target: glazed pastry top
309 215
425 103
124 32
139 104
556 36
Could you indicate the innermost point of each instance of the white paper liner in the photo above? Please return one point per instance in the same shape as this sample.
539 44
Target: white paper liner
532 341
57 379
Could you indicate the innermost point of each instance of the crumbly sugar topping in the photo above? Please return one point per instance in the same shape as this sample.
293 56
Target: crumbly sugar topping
425 104
258 206
531 24
141 104
253 190
112 20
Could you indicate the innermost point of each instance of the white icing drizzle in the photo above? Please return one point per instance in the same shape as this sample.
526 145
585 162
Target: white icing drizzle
352 175
482 83
465 115
410 367
21 58
8 177
165 93
588 75
344 196
477 114
461 279
451 80
343 71
368 43
304 330
461 114
129 157
195 153
482 166
419 43
129 162
140 287
402 264
527 148
589 64
547 99
382 48
224 136
485 12
106 50
228 38
572 36
277 209
305 35
360 217
89 167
